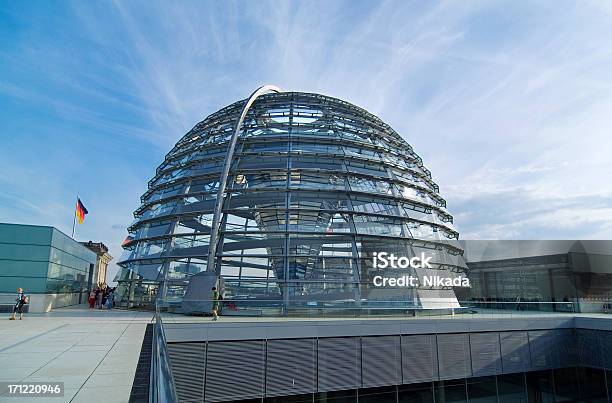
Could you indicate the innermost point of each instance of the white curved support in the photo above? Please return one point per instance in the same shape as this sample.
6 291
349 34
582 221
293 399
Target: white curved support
229 156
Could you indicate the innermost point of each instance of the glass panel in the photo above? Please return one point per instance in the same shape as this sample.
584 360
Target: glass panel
29 285
24 252
417 393
258 180
566 385
253 162
375 206
363 152
453 391
25 234
592 385
288 399
374 225
246 293
311 180
332 297
66 279
68 284
185 268
134 292
318 148
304 161
362 184
63 242
256 200
192 241
140 271
511 388
319 268
344 396
276 146
337 245
387 394
540 387
17 268
249 267
482 390
163 193
609 384
196 224
150 248
317 221
153 229
255 244
367 168
319 200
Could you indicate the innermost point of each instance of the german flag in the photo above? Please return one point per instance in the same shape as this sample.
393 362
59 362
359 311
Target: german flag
80 211
128 240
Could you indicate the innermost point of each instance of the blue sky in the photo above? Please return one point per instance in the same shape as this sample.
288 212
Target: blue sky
509 103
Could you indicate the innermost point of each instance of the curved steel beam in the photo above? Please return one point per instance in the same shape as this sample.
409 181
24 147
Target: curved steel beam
229 156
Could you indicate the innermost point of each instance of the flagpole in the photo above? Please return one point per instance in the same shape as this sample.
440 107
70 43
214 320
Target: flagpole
74 217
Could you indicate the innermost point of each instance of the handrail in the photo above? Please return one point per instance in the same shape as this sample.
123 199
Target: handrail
380 308
161 382
469 302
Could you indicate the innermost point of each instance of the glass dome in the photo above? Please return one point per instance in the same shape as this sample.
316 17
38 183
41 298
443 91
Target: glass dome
312 187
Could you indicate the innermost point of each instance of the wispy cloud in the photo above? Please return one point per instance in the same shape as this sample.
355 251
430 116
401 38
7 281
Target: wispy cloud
509 104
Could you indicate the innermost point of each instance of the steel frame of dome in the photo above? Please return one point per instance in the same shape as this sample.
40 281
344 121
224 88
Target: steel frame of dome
287 195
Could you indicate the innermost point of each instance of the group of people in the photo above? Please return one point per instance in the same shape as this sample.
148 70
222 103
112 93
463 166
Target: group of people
102 297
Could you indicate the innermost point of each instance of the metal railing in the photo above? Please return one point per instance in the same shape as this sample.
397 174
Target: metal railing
161 382
162 387
364 309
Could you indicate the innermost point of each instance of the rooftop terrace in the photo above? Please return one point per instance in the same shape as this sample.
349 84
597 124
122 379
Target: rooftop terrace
95 353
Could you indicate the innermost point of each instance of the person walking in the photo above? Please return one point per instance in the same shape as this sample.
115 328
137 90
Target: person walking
99 294
104 297
110 298
215 303
92 299
21 300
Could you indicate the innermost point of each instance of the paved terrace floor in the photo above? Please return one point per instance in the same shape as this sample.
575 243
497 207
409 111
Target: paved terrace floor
95 353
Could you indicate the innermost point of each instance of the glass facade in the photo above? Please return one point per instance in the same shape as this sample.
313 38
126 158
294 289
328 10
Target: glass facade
555 386
532 280
315 186
42 260
553 275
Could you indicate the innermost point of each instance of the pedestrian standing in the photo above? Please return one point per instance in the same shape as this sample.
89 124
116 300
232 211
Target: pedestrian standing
99 294
215 303
21 300
110 299
92 299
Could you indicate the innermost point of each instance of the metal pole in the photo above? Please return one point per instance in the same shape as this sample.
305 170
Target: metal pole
74 216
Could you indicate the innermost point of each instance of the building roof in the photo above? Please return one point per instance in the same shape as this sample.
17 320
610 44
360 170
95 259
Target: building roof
98 247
